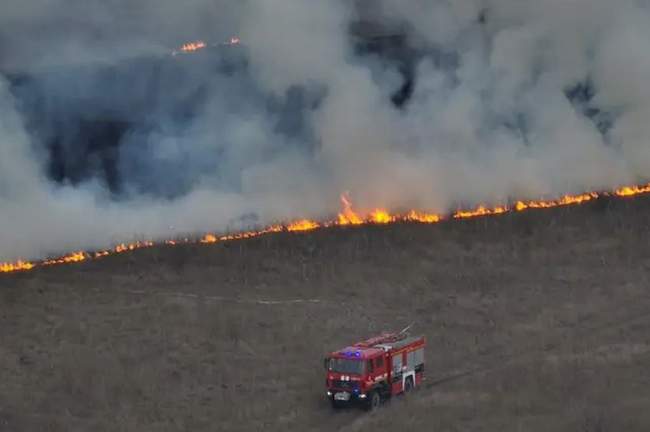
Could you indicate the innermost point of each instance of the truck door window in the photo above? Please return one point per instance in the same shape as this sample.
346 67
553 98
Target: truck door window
370 368
379 362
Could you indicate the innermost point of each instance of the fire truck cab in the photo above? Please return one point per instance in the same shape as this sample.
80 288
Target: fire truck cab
374 370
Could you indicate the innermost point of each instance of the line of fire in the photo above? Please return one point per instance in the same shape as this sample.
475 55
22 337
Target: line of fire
347 217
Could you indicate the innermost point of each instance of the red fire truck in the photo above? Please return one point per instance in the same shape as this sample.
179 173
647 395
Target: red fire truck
374 370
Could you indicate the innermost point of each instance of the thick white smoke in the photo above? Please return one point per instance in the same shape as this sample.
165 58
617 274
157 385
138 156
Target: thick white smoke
510 98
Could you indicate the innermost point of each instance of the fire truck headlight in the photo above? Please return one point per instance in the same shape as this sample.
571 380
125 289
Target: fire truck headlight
362 396
329 393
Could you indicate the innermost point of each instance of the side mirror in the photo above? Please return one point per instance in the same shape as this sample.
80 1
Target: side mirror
326 363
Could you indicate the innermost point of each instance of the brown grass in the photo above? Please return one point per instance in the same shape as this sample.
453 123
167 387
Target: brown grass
535 322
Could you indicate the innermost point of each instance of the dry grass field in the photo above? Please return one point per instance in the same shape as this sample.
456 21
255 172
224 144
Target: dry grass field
538 321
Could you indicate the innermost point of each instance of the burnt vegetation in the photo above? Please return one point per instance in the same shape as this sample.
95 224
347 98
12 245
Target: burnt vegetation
534 321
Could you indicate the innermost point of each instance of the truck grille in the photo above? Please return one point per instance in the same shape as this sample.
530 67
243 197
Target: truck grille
346 385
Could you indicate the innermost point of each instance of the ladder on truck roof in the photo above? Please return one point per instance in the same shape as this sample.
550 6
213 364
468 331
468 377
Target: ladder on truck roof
384 338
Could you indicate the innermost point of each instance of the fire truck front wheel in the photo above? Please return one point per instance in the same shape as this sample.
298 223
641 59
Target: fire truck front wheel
373 401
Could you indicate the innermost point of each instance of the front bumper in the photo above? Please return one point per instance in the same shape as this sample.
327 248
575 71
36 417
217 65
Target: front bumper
346 396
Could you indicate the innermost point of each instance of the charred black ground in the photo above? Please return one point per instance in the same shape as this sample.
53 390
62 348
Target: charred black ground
535 321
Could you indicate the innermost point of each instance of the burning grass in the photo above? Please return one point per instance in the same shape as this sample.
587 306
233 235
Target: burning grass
347 217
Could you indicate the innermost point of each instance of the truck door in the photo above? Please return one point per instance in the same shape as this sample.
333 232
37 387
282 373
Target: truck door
380 376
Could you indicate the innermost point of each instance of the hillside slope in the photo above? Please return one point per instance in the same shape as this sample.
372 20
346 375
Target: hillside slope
536 321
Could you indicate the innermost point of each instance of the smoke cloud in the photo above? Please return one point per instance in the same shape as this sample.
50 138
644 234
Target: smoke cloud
106 137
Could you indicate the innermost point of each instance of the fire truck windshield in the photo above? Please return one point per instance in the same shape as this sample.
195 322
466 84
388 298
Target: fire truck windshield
347 366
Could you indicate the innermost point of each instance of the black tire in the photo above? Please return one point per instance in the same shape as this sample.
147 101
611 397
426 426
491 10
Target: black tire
408 385
374 401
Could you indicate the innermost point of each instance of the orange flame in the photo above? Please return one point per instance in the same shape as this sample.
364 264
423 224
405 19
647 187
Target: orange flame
347 217
303 225
479 211
121 248
193 46
71 258
15 267
428 218
633 190
564 201
381 217
209 238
